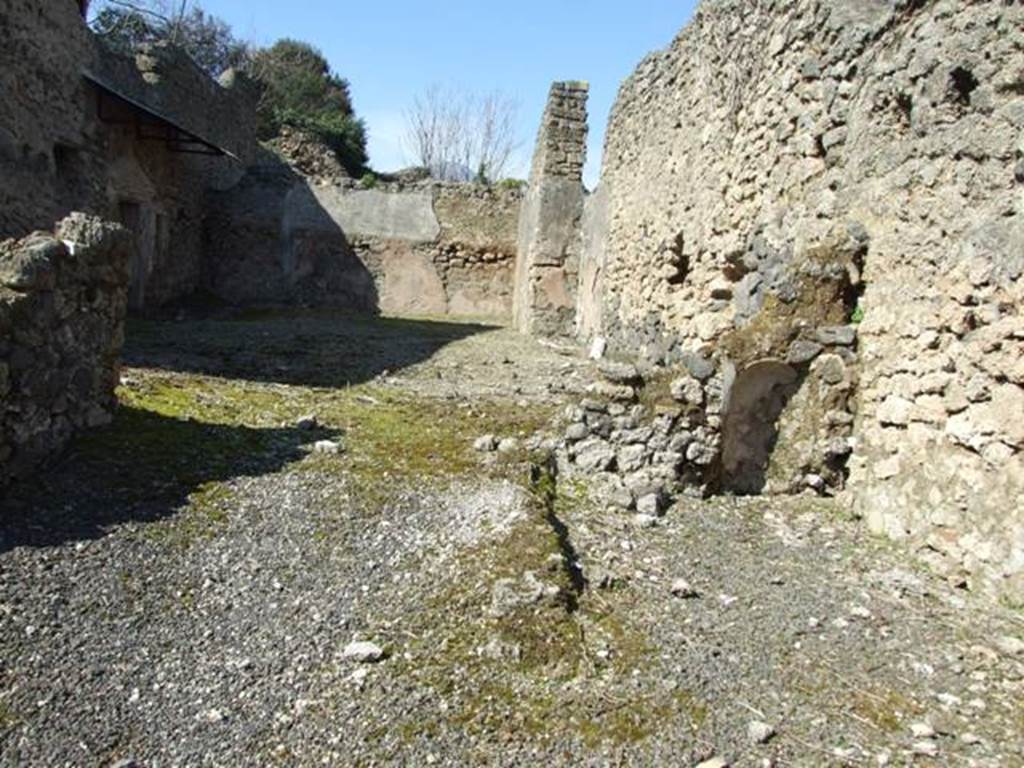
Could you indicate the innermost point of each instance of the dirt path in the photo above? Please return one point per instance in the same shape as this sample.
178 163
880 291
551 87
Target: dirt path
182 587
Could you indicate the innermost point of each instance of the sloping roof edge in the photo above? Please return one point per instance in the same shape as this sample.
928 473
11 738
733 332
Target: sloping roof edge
106 86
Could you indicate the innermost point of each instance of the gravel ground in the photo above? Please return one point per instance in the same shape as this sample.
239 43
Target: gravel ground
181 588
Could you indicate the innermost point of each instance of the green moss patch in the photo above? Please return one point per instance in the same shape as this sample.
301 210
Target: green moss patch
559 668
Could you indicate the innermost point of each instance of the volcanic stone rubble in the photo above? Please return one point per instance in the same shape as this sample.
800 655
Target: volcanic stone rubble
62 308
645 448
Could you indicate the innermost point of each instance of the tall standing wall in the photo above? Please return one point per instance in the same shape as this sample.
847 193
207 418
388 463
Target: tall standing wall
778 144
68 143
547 264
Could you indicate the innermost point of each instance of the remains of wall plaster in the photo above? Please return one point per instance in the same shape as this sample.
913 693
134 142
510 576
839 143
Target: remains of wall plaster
62 306
425 248
764 130
547 264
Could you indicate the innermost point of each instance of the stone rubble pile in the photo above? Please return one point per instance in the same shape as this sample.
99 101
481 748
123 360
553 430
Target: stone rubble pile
696 430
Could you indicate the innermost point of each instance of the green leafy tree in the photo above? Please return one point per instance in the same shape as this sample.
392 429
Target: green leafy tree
300 90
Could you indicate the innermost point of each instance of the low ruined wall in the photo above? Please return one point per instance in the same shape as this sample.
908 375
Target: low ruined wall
62 306
773 134
423 249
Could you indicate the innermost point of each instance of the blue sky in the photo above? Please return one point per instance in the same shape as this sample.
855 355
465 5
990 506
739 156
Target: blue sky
393 50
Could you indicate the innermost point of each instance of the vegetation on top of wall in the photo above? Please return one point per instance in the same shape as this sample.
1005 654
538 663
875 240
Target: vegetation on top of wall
299 89
123 25
511 184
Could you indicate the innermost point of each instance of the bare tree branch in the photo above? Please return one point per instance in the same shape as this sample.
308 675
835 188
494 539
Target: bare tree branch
460 136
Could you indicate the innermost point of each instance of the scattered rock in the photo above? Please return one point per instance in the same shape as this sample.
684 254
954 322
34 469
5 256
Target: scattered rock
609 391
652 504
598 347
508 595
326 446
307 423
687 390
577 432
926 747
508 445
922 731
485 444
1010 646
645 521
595 456
364 652
714 762
759 733
681 588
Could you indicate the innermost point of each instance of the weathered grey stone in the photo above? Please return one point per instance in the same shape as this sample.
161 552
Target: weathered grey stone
577 432
595 456
837 335
651 503
31 264
509 595
327 447
619 373
802 352
699 367
632 457
688 390
307 423
485 444
619 392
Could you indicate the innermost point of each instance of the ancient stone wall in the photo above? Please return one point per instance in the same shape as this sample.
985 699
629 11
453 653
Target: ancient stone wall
426 248
547 264
835 187
47 161
65 144
62 305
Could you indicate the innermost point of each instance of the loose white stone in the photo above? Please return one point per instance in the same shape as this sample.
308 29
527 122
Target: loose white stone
922 731
326 446
508 445
363 652
927 747
682 588
759 733
1010 646
485 444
